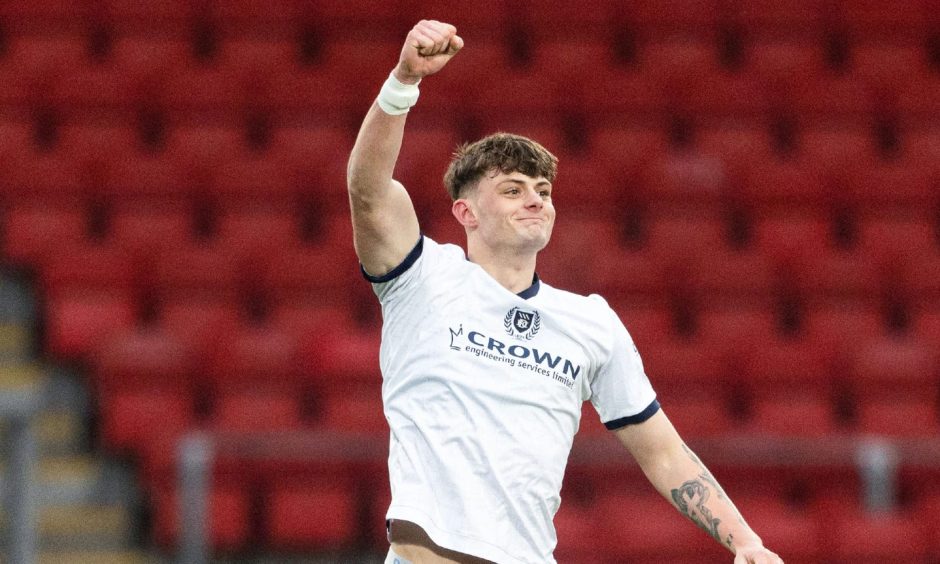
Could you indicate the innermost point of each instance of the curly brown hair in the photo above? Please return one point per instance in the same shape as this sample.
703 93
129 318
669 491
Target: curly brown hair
502 152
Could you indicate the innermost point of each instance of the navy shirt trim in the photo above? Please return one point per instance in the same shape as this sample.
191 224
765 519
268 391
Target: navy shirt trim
400 269
640 417
532 290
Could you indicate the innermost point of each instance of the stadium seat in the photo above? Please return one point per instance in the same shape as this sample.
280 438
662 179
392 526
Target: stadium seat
32 233
146 232
255 235
899 415
789 530
889 64
255 358
340 359
773 59
77 320
788 18
310 516
689 180
884 238
201 270
199 320
131 419
142 359
901 188
882 537
254 411
229 523
90 267
355 408
662 534
771 186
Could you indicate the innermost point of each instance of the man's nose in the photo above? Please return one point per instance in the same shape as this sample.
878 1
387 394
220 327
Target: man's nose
533 198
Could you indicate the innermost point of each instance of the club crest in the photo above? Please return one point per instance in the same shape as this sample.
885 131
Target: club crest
522 324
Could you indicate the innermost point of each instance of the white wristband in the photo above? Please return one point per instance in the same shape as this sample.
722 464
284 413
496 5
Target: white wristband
396 98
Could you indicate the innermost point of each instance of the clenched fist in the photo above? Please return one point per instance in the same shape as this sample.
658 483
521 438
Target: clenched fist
428 47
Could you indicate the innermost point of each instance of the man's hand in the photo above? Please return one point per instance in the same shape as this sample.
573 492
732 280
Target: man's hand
756 555
428 47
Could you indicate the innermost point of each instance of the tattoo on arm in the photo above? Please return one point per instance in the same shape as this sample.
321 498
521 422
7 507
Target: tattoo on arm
708 477
690 498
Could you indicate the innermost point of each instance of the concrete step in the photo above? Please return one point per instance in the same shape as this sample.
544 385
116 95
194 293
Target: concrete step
103 527
58 432
16 343
95 557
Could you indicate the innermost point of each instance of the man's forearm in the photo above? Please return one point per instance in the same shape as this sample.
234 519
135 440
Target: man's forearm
695 492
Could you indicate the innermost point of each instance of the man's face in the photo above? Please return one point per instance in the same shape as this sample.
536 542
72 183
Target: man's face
513 210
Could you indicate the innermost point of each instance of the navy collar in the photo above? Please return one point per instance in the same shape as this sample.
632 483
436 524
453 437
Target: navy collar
532 290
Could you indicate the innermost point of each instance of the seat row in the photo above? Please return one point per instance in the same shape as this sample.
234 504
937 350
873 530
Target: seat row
329 511
490 17
257 76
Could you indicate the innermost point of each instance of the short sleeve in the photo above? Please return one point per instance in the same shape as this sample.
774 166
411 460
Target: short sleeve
620 391
424 257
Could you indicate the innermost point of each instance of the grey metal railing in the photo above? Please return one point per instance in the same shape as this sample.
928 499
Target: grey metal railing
18 409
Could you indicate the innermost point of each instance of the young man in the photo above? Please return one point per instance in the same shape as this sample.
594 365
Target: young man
484 366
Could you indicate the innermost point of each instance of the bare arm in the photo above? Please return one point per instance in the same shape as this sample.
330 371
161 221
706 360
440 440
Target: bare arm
678 474
385 227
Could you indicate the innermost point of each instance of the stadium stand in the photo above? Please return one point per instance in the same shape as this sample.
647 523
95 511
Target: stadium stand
753 186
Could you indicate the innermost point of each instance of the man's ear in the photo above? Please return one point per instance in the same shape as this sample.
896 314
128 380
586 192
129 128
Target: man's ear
464 212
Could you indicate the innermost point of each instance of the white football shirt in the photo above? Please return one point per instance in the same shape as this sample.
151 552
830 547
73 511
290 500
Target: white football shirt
483 389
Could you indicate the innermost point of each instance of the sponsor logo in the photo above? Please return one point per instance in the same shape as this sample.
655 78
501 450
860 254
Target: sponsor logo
532 359
522 324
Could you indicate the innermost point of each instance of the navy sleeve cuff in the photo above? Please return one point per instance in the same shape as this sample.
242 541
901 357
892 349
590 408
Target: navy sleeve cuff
640 417
400 269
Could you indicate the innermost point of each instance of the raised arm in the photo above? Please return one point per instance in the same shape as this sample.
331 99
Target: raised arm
385 226
678 474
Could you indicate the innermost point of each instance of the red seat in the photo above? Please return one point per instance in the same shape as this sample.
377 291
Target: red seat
89 267
147 232
901 21
143 359
32 234
424 157
688 180
131 419
229 523
791 531
772 186
900 188
889 65
678 238
253 411
789 414
358 408
77 320
33 64
311 516
199 321
327 273
899 415
888 238
918 97
773 59
690 17
624 151
254 235
663 534
785 18
336 361
880 537
197 271
788 236
255 358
